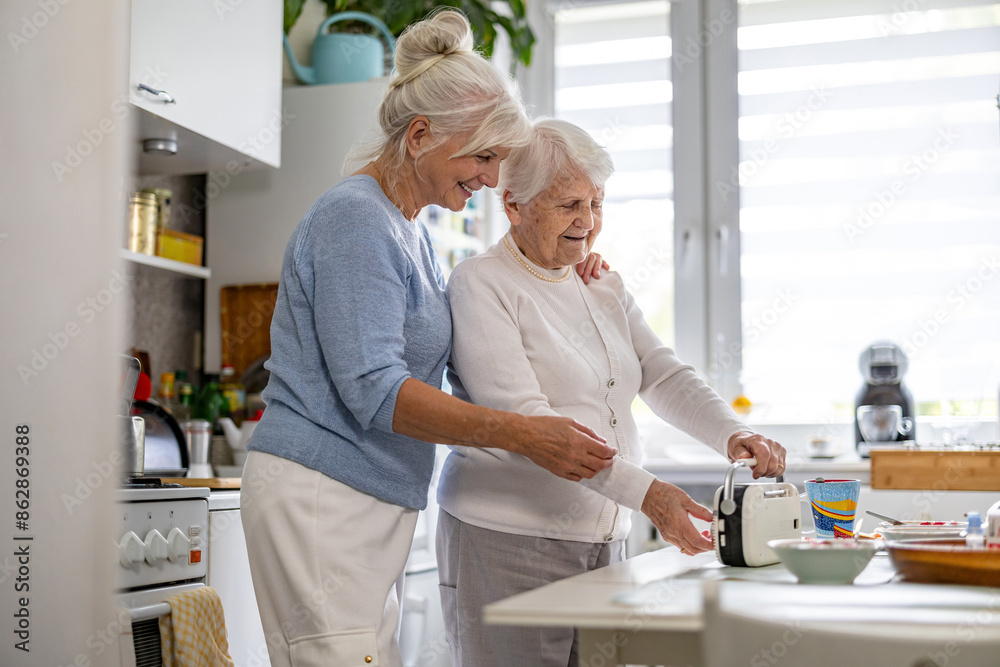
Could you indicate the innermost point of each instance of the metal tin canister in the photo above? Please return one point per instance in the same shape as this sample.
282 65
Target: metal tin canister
163 197
142 216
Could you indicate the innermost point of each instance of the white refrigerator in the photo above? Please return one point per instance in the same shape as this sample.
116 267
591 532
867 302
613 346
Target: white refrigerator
250 217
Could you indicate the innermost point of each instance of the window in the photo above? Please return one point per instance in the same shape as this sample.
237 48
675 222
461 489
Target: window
612 78
841 185
869 199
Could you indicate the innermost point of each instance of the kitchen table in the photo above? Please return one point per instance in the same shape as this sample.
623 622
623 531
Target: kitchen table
648 609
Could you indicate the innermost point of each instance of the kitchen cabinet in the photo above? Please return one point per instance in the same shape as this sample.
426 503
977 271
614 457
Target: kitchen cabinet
229 575
218 66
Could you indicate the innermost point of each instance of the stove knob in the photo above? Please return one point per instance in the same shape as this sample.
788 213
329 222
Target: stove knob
130 549
156 546
179 543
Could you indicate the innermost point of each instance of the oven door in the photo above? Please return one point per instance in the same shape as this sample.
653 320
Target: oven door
141 611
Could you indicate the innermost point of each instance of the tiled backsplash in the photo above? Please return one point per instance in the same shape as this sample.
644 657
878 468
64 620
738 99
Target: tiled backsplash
166 311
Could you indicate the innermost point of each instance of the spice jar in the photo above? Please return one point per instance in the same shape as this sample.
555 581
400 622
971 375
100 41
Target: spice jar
142 223
163 197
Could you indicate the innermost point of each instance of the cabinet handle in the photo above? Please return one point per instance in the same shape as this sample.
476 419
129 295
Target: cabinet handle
164 95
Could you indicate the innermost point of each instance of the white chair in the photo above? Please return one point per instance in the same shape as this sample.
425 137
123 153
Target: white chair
886 637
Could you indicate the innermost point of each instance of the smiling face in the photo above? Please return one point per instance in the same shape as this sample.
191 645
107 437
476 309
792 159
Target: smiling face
450 181
559 226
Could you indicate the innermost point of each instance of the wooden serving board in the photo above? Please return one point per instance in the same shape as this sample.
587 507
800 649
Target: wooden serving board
935 470
205 482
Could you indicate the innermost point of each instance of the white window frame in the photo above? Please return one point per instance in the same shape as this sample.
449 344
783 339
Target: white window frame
704 67
706 194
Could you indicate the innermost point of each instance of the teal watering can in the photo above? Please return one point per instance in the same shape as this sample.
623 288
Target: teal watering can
343 57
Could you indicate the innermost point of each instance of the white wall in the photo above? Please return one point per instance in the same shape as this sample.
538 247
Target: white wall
251 217
63 72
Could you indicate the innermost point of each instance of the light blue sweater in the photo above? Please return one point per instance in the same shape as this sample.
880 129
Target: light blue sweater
361 307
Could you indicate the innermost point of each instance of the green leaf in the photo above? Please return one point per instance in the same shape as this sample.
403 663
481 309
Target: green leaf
293 9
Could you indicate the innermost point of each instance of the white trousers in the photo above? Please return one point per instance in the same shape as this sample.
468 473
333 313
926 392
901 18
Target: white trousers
327 565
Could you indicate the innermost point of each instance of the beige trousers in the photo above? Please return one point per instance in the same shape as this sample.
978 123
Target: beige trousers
327 565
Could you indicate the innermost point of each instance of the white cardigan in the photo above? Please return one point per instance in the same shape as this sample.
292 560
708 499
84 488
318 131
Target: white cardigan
525 345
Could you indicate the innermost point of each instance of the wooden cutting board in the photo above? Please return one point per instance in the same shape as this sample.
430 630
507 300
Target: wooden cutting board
937 470
245 317
205 483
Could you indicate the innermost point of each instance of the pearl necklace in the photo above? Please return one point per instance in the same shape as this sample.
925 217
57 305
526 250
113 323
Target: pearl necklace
540 276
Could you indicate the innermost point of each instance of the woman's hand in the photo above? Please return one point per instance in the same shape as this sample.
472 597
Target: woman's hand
670 510
564 447
769 454
591 266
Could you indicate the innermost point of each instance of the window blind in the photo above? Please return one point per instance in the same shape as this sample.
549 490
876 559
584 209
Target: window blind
869 186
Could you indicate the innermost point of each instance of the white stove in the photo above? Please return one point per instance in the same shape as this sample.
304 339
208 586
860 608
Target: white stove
163 536
162 550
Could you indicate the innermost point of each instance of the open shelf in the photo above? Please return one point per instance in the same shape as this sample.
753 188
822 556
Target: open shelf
165 264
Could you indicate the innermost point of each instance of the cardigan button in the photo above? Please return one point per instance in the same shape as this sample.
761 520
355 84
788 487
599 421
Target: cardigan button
614 421
611 382
609 537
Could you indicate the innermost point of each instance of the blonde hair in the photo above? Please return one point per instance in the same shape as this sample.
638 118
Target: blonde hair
438 75
556 146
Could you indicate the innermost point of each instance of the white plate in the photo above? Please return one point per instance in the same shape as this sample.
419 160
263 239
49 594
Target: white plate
913 530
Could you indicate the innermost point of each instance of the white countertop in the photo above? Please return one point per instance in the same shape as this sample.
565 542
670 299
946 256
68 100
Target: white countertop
662 591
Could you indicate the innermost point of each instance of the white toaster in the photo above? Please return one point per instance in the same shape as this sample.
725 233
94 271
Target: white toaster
748 516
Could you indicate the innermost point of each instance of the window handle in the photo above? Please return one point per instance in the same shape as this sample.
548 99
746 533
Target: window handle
722 239
684 250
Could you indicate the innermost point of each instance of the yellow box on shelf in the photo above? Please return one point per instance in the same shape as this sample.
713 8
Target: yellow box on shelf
179 246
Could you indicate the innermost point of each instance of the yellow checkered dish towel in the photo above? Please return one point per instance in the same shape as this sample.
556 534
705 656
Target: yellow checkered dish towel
194 634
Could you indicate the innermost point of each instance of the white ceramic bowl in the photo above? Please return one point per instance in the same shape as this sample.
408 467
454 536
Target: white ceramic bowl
916 530
228 471
824 561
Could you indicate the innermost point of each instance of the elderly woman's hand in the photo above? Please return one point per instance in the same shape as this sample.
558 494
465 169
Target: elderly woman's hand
591 266
769 454
670 510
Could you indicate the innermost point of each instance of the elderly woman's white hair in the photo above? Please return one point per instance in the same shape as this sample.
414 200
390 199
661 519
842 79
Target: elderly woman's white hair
556 146
438 75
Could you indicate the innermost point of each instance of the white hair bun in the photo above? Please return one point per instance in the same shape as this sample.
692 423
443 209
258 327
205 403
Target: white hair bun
443 33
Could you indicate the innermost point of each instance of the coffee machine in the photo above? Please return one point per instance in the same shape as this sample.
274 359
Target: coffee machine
883 408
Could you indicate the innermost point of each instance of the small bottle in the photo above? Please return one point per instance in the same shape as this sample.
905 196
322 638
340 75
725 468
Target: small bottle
974 538
235 393
185 396
165 393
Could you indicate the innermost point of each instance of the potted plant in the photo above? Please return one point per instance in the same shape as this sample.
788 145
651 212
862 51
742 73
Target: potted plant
397 14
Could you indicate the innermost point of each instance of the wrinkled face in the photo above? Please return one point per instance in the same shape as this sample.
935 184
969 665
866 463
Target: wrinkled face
450 181
558 227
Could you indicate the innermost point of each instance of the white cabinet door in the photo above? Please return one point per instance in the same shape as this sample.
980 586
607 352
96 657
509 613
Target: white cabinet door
229 575
422 641
220 62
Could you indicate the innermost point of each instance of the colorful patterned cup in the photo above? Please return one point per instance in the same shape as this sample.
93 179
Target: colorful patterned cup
834 503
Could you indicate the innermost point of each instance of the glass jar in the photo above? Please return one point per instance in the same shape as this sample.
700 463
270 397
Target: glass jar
142 215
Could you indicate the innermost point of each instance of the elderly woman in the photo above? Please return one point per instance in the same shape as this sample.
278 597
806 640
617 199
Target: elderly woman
529 337
341 462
